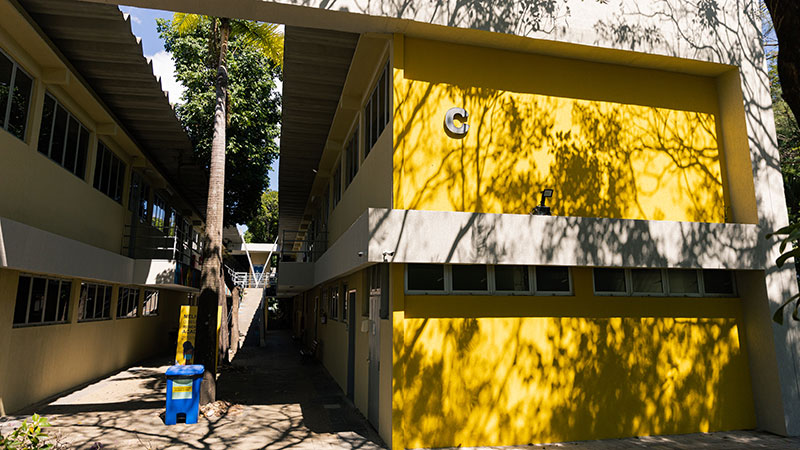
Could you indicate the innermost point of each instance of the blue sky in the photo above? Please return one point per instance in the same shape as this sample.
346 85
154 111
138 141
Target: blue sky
143 23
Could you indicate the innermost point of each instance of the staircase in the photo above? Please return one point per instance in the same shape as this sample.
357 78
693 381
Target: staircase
251 300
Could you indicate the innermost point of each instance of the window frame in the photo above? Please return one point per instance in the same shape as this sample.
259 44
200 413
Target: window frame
81 127
125 291
82 306
383 115
491 283
667 291
542 293
152 312
104 150
15 67
47 279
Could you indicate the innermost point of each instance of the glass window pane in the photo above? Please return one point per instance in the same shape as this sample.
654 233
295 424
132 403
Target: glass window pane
6 69
609 280
46 129
91 295
120 180
683 281
51 306
106 303
112 174
647 281
470 278
36 306
83 148
63 304
18 119
552 279
425 277
70 153
718 281
23 289
511 278
59 133
382 103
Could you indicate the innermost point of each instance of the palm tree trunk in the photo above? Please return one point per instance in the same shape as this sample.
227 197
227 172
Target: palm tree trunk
212 294
786 20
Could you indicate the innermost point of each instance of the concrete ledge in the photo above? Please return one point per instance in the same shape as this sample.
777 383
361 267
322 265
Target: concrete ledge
472 238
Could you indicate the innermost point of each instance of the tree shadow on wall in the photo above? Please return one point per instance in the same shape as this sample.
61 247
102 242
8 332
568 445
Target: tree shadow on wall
514 380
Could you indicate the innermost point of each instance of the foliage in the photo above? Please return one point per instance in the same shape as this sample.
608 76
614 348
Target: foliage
788 134
253 114
27 435
264 226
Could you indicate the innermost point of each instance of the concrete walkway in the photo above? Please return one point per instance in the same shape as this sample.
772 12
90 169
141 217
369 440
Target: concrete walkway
275 402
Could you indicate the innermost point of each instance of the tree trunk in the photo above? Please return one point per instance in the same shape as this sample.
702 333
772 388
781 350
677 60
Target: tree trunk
786 20
212 294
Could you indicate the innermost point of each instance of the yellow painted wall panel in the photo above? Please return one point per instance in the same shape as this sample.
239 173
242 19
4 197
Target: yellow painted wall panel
613 142
480 370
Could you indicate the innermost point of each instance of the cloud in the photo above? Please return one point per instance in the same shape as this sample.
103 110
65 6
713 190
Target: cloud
164 67
129 11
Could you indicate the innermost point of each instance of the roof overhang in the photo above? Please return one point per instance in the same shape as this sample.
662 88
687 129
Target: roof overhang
96 43
316 63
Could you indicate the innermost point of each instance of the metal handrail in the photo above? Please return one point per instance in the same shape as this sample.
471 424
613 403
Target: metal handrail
309 249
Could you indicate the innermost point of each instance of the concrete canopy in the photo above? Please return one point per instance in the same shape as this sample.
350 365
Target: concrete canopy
96 42
316 63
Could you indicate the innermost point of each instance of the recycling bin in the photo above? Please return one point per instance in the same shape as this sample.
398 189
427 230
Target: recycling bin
183 393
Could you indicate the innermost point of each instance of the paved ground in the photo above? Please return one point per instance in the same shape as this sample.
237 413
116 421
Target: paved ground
278 402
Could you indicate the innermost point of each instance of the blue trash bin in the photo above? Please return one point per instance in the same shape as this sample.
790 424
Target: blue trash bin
183 393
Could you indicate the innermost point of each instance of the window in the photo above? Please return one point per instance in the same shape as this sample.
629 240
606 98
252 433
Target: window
95 302
425 277
344 303
665 282
647 281
337 185
610 281
486 280
512 278
333 302
377 111
682 281
15 96
552 279
718 282
351 159
150 303
138 197
62 138
159 213
128 302
41 300
109 173
470 278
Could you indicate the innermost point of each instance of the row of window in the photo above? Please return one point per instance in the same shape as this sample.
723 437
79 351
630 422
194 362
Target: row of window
377 114
660 282
556 280
62 137
485 279
45 300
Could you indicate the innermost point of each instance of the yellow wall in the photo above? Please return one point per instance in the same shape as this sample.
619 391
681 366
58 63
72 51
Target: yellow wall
41 361
509 370
612 141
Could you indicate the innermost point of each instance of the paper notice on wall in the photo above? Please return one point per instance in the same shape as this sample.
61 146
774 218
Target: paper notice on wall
187 327
182 389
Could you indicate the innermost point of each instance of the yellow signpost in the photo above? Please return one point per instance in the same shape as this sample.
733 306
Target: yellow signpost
186 331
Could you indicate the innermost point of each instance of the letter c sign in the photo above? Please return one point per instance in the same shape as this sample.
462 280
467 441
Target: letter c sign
449 123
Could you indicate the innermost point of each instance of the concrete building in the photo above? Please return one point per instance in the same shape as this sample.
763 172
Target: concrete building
417 137
99 201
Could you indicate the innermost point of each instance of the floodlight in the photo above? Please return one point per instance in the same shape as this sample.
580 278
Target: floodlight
541 209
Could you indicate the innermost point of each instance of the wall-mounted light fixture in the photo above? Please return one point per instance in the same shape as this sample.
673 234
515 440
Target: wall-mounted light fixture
541 209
